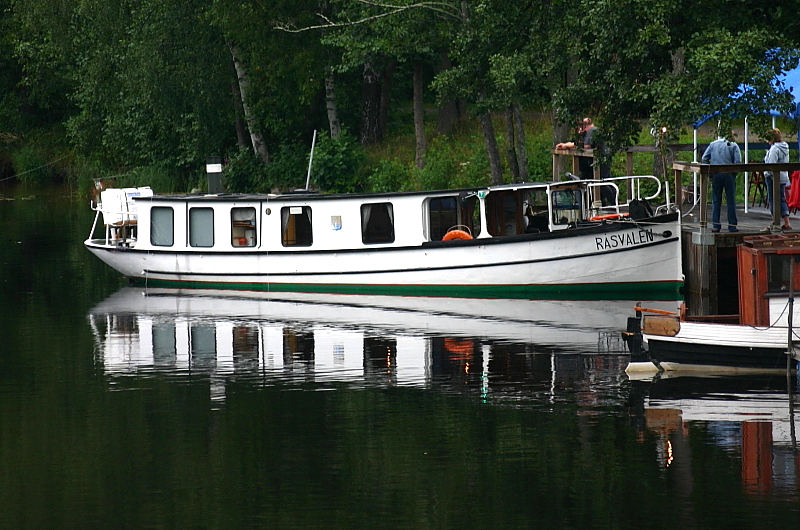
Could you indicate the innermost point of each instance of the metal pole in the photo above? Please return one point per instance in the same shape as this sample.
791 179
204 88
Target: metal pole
746 160
789 356
311 158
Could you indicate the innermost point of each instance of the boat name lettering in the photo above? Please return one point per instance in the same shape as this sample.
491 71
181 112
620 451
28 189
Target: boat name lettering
628 239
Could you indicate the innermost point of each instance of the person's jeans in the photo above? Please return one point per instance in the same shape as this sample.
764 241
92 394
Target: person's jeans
784 206
720 182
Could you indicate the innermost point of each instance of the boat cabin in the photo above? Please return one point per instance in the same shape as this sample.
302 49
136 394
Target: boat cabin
769 274
297 221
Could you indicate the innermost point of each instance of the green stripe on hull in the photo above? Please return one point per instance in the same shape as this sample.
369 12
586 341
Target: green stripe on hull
666 290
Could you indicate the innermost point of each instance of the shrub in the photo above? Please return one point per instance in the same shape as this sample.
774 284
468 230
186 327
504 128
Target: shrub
336 163
32 164
388 176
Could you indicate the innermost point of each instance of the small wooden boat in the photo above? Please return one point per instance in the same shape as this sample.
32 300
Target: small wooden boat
527 240
763 336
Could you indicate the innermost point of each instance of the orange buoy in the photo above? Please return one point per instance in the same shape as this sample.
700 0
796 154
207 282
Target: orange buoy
456 234
606 216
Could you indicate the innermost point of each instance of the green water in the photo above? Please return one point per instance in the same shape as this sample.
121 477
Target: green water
103 426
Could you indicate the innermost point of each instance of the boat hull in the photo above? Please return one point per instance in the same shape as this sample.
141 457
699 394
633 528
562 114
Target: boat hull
722 347
610 261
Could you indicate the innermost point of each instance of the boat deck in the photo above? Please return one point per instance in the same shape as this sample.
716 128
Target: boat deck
754 221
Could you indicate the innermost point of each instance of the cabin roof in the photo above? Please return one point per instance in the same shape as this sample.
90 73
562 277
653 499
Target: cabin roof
789 243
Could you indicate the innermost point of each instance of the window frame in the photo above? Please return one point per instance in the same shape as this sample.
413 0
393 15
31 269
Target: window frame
192 236
289 221
155 235
241 227
376 236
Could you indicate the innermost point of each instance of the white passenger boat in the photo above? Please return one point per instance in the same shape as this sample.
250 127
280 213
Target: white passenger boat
528 240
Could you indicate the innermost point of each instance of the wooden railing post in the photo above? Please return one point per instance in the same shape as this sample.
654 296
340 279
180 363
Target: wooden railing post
704 172
678 193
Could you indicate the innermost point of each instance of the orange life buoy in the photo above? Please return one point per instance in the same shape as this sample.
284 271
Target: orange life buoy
606 216
456 234
657 311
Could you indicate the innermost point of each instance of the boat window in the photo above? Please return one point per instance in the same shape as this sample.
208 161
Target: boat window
536 211
296 226
778 273
243 227
459 212
201 227
377 223
504 213
162 226
566 206
443 215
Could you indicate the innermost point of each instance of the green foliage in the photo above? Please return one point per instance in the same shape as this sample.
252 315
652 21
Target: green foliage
389 175
245 173
287 169
540 160
148 83
336 162
454 162
31 164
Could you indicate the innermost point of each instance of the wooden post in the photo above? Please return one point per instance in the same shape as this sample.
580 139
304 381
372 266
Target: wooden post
776 202
704 172
678 180
556 167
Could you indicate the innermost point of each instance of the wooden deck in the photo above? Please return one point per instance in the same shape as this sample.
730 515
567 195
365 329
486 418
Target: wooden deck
756 219
711 270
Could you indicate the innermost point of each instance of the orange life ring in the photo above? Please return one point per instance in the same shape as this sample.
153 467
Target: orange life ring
456 234
606 216
657 311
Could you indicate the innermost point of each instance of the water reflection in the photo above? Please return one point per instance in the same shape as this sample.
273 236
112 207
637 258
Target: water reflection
536 354
749 417
514 346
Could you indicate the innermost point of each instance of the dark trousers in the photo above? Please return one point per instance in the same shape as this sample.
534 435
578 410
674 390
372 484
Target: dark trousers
784 206
720 182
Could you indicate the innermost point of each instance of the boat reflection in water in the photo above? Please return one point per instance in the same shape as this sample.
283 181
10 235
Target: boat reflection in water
749 416
355 339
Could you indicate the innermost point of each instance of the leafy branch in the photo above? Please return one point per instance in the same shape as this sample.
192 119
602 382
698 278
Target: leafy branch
443 8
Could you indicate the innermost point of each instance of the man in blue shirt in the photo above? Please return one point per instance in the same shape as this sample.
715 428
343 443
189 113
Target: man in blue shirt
723 151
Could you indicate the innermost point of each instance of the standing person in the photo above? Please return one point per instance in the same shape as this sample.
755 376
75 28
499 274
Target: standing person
723 151
584 162
778 153
589 138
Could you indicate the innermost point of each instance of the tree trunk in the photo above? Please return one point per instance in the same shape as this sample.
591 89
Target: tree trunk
257 139
386 96
241 134
522 152
419 117
370 105
663 156
491 148
448 113
330 103
511 152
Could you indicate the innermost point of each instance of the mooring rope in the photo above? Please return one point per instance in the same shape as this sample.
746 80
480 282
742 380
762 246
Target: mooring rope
34 169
